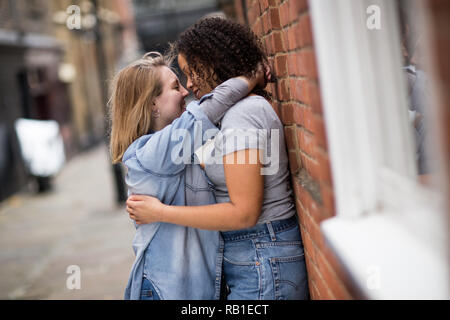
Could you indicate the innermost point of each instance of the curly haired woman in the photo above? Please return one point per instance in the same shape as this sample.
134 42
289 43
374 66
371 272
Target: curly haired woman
263 255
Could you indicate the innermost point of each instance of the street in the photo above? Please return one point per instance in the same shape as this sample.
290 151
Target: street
76 224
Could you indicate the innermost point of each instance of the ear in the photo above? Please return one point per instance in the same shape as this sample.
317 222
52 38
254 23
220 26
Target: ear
155 104
155 110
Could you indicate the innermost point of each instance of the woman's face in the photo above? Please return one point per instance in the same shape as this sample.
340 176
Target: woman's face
197 85
170 102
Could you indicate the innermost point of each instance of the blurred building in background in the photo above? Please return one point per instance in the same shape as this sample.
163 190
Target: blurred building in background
56 58
161 21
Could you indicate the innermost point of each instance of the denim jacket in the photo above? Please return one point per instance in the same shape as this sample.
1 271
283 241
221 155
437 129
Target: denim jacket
180 262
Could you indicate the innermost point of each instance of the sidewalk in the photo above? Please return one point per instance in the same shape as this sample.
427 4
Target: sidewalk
78 223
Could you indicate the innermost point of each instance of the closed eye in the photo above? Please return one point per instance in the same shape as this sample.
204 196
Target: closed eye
176 85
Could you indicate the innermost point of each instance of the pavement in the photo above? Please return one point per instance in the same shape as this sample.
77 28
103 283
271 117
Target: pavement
42 236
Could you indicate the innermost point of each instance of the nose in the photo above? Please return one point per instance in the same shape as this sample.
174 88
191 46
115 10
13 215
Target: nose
189 83
184 92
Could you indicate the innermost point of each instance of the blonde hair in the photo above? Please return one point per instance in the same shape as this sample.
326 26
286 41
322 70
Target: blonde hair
134 90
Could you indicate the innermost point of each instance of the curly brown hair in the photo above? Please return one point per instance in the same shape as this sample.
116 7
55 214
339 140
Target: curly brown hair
227 48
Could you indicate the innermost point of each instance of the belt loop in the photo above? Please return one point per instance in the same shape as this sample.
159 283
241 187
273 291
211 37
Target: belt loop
271 232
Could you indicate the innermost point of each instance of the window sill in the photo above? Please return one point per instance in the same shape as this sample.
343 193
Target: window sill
387 261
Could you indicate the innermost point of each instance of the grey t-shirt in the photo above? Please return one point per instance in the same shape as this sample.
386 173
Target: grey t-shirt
253 124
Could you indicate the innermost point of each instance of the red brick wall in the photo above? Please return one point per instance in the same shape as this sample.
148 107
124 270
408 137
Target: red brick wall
284 26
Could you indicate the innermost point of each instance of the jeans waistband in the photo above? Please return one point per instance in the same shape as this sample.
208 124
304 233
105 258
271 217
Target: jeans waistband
267 228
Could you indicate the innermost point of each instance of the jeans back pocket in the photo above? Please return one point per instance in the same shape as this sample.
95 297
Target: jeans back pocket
290 279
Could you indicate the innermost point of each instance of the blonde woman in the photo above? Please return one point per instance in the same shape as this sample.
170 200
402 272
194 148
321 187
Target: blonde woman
149 117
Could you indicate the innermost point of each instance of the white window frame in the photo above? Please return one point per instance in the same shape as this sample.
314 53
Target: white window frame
389 232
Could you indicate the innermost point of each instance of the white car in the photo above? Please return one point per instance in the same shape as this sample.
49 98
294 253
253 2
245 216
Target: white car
42 148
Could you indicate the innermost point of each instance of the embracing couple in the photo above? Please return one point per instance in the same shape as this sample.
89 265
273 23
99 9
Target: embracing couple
206 229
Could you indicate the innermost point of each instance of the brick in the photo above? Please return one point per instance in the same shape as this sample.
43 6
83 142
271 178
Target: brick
314 292
271 63
301 194
294 165
314 169
292 37
292 63
307 64
312 226
318 128
306 141
299 208
333 282
274 89
294 85
309 177
284 13
314 99
310 249
298 113
287 116
265 22
314 295
268 44
290 139
278 42
328 199
317 279
305 92
281 66
309 121
309 208
299 90
304 32
283 90
285 38
324 165
274 18
257 28
298 6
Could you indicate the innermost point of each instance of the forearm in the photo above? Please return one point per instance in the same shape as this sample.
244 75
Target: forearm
220 216
224 96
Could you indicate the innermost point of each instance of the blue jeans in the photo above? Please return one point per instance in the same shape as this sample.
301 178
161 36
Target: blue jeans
265 262
148 292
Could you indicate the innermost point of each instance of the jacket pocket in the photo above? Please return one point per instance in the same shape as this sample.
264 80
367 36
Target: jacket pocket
199 191
148 292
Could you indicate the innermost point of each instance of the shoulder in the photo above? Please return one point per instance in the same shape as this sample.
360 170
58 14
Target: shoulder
254 103
254 110
135 146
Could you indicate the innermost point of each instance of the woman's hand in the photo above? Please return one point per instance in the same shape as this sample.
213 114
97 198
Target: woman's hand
262 76
144 209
